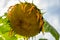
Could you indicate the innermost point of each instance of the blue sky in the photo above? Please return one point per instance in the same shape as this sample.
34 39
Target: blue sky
51 7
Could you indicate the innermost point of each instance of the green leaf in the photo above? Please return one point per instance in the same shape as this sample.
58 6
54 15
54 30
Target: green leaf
51 29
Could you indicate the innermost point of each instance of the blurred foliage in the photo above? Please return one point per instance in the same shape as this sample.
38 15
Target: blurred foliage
1 38
5 28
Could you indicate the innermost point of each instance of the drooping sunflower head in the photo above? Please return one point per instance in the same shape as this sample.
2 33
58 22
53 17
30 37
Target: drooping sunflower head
26 19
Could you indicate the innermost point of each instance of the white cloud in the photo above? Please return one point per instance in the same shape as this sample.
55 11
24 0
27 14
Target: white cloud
53 20
1 3
51 16
41 4
4 9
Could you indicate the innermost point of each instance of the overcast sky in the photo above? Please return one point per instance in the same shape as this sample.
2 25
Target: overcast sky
51 7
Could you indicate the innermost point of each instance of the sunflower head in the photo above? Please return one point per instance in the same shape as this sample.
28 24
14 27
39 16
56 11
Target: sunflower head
26 19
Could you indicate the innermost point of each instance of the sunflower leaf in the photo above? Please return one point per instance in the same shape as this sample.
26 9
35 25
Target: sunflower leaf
51 29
